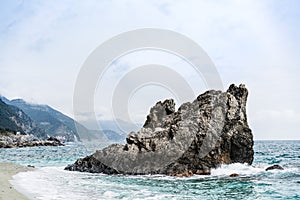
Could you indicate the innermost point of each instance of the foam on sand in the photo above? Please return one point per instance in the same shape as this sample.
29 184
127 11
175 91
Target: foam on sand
7 170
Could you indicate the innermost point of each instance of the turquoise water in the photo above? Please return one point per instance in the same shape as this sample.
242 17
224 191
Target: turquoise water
50 181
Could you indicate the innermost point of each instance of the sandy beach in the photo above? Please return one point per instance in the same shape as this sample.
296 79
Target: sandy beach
7 170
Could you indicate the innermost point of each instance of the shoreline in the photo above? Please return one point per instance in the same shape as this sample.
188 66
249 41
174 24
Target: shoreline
7 171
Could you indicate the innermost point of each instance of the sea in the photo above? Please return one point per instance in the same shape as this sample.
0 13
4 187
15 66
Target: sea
51 181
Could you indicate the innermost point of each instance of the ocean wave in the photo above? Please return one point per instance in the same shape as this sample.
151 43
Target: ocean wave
55 183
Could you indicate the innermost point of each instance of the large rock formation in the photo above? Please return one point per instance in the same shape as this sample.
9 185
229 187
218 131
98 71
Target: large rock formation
200 135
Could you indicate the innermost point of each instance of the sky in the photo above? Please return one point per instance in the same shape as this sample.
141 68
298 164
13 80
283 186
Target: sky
43 45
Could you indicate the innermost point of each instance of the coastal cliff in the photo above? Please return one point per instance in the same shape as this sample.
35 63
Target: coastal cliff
203 134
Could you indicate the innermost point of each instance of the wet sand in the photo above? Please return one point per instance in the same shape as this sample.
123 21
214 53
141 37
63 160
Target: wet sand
7 170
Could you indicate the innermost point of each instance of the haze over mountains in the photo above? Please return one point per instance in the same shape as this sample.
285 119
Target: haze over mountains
118 129
43 121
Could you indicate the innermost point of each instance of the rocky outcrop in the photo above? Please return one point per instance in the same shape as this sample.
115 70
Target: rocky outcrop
234 175
278 167
17 140
203 134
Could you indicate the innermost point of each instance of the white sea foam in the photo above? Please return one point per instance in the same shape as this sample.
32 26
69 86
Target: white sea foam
47 183
241 169
55 183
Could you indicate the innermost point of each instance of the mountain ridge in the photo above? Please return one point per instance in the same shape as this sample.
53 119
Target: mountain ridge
14 119
51 122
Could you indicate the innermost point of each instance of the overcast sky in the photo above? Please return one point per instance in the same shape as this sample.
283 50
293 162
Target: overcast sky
45 43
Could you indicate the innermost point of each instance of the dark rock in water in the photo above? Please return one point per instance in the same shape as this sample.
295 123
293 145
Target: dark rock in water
234 175
54 139
274 167
203 134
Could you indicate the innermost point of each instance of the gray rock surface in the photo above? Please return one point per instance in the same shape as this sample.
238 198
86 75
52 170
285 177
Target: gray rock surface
16 140
203 134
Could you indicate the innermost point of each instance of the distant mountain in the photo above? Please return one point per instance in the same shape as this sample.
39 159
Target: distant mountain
4 99
102 137
117 130
50 122
119 126
114 136
14 119
53 122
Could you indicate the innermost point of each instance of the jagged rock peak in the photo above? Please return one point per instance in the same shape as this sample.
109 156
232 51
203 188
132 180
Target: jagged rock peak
200 135
159 113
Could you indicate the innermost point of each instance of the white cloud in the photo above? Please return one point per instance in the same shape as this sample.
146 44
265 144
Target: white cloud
43 46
